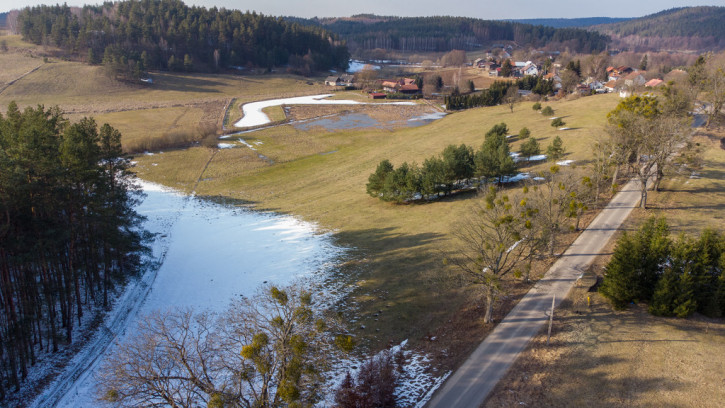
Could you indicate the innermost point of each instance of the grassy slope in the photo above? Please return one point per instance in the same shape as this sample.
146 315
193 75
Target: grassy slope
78 87
398 248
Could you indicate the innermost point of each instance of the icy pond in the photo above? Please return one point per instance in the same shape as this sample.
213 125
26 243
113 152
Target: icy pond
208 254
253 115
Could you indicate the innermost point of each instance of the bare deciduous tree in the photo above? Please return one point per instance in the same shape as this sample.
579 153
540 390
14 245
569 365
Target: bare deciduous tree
494 239
266 351
646 138
550 195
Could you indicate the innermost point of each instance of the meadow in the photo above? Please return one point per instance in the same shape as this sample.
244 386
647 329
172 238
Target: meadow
401 287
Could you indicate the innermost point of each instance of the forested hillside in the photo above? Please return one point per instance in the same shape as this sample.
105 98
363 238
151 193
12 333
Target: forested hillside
571 22
3 17
447 33
136 35
690 28
68 232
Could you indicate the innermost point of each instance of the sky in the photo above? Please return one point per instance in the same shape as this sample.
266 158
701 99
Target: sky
486 9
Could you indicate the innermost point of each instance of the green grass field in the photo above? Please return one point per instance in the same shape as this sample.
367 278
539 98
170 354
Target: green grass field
320 176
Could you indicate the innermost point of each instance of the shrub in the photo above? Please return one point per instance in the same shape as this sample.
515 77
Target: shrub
524 133
556 149
557 122
547 111
375 383
536 106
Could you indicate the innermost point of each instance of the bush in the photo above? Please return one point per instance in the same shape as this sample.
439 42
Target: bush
374 385
530 148
547 111
536 106
556 149
557 122
524 133
633 272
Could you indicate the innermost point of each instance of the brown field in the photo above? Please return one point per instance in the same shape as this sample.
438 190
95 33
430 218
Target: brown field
14 65
85 89
603 358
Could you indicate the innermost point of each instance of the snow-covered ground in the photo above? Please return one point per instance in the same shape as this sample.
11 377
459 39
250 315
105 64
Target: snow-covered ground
357 66
253 115
207 253
416 382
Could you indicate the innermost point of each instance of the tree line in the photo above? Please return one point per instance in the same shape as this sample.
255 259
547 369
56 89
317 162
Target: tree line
497 93
445 33
456 168
68 232
137 35
675 277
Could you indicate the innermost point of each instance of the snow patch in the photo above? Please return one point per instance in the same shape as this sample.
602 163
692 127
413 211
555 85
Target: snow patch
204 254
253 115
244 142
357 66
429 116
226 145
416 384
564 162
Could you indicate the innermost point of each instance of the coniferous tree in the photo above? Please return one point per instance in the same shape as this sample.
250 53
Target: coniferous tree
556 149
68 204
494 160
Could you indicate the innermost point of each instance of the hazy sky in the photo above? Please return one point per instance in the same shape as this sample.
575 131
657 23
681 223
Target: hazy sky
487 9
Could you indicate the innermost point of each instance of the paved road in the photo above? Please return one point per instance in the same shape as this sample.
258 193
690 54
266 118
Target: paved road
470 384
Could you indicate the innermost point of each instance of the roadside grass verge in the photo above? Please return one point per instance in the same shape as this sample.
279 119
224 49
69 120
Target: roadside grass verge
644 360
599 357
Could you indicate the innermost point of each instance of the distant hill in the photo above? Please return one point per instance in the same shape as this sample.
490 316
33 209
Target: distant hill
442 33
130 37
571 22
687 28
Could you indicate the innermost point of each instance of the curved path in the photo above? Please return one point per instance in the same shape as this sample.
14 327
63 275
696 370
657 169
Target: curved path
470 384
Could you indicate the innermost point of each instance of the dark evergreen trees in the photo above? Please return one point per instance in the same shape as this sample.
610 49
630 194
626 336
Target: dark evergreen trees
675 278
68 235
494 160
444 33
167 34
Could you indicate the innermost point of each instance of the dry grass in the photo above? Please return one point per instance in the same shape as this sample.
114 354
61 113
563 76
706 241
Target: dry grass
692 201
81 88
601 357
275 113
13 65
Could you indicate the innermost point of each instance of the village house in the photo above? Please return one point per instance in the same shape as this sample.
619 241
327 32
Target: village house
340 80
635 79
403 85
654 83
